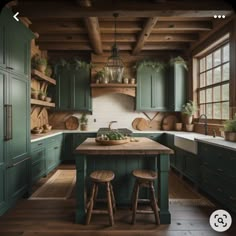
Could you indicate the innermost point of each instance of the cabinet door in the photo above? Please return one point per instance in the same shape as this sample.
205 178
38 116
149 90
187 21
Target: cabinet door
144 90
81 98
63 95
18 146
177 87
3 194
18 180
18 51
159 91
2 40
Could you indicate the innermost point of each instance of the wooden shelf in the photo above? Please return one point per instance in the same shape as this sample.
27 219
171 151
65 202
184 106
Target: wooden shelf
101 89
113 85
42 103
42 76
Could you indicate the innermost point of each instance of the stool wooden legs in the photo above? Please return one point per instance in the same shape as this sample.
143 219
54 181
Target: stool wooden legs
153 201
90 204
110 203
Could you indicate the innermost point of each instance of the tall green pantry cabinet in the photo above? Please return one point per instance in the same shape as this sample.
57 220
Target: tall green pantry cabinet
15 41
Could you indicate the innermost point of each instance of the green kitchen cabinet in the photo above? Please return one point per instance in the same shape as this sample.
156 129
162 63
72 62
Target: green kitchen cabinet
53 149
177 76
73 89
218 176
73 140
168 140
151 90
14 109
3 182
38 168
14 56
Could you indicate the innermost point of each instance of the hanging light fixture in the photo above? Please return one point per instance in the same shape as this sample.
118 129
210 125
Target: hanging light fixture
115 66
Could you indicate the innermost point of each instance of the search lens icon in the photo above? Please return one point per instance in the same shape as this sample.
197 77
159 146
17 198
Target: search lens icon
220 220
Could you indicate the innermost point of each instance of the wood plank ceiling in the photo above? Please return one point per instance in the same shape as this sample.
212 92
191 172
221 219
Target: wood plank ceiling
142 25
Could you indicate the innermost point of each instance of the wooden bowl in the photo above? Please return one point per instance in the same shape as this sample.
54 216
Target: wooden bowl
111 142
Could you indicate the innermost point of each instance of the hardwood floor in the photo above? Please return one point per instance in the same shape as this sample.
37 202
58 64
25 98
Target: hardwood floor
56 218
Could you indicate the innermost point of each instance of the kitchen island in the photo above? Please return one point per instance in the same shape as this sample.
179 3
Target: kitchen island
122 159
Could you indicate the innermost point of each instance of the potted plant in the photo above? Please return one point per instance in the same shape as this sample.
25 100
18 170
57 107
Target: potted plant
188 110
48 71
83 122
34 93
39 63
154 64
230 129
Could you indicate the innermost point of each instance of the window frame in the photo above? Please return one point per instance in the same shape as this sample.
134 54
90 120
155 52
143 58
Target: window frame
202 55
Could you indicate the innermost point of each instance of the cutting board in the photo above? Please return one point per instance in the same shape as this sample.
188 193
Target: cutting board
169 122
72 123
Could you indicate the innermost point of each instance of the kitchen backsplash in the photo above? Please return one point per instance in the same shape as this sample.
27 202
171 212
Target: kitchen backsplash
114 107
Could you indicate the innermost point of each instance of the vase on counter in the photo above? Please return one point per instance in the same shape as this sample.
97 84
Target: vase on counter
178 126
83 127
189 127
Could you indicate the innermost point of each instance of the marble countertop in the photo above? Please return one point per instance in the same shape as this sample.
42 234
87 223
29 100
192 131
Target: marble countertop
218 141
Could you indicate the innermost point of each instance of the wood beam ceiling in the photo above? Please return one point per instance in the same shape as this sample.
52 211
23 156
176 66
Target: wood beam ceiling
92 26
150 24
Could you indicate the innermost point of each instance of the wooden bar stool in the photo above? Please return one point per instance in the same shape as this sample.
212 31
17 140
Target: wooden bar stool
144 178
101 177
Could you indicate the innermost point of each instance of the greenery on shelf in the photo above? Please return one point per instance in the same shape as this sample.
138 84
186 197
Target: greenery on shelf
73 63
178 60
189 108
37 61
154 64
230 125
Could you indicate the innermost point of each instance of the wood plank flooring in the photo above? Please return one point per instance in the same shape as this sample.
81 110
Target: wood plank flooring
56 218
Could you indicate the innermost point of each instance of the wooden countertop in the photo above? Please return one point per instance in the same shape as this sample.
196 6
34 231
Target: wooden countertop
143 146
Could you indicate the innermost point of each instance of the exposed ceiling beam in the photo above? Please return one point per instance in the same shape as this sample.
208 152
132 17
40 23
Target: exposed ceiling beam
151 22
172 38
92 26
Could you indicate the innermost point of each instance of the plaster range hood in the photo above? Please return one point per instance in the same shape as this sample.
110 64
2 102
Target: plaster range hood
102 89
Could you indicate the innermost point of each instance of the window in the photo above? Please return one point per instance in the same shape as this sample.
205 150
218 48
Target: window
213 83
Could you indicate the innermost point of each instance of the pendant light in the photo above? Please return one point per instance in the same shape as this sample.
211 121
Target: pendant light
115 66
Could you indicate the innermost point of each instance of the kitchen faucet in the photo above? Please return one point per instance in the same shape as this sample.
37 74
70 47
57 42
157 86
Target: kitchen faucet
205 122
111 122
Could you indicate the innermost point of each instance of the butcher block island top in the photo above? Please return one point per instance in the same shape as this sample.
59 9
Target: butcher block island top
122 159
140 146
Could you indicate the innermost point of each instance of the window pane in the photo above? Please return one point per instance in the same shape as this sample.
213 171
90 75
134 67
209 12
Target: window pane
217 75
225 72
226 53
217 111
209 95
216 94
209 77
225 110
209 61
217 57
202 109
202 64
209 111
202 80
225 92
202 97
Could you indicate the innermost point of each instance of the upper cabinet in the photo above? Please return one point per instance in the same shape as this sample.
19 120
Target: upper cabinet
162 89
14 56
177 89
73 89
151 90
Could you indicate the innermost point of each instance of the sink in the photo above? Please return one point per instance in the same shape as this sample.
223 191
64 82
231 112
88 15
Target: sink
188 144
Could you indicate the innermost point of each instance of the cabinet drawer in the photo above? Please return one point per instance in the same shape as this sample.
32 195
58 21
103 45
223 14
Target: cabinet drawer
221 160
37 145
38 170
37 155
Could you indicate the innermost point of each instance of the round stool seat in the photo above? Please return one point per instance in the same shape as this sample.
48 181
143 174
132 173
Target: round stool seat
145 174
102 176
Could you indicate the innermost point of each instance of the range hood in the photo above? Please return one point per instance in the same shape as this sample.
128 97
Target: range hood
101 89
